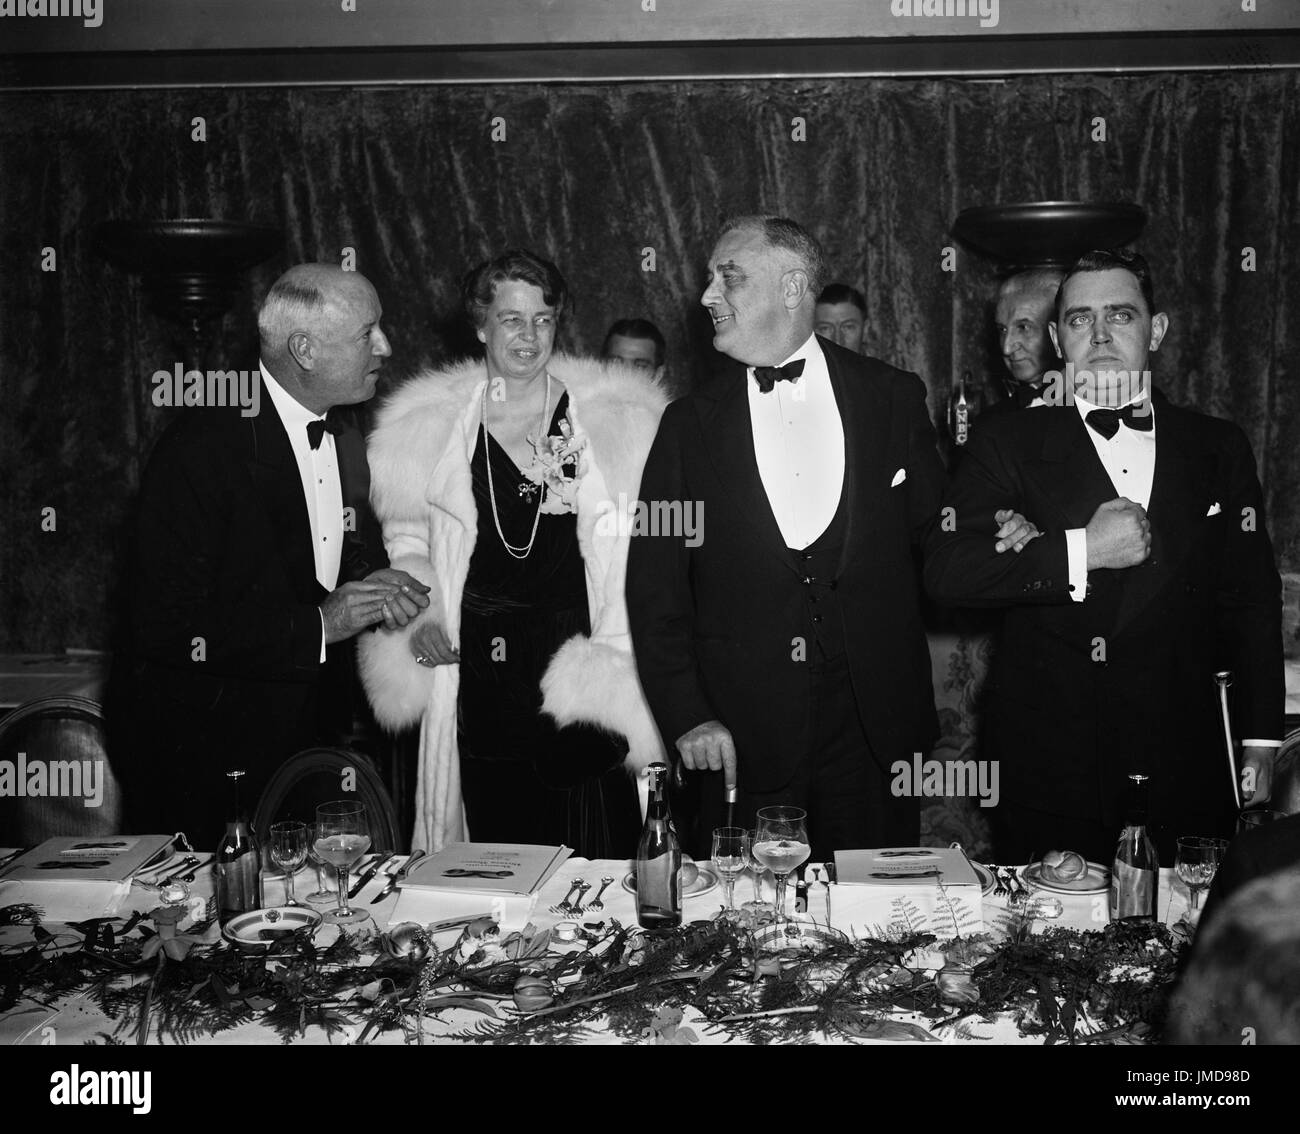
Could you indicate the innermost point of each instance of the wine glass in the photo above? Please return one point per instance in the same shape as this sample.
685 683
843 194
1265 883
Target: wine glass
289 852
342 838
781 844
322 895
1197 862
757 907
730 856
1257 817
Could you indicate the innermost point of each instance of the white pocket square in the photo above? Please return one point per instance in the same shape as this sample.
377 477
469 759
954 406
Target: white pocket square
899 477
1214 510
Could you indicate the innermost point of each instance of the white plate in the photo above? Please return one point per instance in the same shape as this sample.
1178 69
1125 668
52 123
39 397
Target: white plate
706 883
246 929
1095 881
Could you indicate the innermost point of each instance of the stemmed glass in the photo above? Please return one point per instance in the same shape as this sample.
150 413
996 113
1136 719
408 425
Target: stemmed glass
342 838
781 844
757 907
322 895
289 852
1197 863
730 856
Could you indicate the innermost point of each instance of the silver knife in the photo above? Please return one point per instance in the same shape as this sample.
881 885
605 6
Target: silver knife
396 876
368 874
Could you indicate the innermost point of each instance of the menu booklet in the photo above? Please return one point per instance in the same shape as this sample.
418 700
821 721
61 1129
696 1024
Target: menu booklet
906 889
92 858
76 877
490 880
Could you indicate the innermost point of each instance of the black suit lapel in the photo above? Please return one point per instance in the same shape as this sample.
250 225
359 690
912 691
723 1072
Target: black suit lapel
1178 491
275 474
726 424
1076 482
865 417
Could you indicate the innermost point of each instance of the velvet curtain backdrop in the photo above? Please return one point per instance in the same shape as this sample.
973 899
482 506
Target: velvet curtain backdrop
591 175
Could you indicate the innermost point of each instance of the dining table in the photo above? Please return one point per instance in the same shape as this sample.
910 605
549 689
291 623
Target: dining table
78 1019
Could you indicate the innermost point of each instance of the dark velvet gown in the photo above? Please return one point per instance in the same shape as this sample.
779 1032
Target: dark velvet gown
523 779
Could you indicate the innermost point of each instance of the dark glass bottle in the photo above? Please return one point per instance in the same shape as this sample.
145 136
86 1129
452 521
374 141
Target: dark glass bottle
238 862
658 860
1136 870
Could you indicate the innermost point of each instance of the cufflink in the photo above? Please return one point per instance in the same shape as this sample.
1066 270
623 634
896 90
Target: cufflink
899 477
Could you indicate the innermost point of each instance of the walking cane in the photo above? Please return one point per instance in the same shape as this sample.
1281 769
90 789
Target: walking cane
1223 679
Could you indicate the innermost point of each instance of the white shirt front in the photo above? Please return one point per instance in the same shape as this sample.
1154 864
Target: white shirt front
1129 459
799 446
321 488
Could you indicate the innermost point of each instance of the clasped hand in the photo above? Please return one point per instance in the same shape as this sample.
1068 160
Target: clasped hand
389 596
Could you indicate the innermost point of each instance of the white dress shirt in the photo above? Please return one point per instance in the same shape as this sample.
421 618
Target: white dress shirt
322 490
1129 459
799 445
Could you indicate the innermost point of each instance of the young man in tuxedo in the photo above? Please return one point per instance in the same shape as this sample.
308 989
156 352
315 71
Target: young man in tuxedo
251 566
785 640
1152 571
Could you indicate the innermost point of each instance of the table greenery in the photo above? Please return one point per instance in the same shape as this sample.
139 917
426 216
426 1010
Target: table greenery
155 980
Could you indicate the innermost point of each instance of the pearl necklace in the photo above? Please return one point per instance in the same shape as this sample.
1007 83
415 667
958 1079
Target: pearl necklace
511 550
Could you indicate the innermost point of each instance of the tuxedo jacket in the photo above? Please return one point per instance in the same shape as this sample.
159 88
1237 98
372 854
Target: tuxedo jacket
1080 694
1255 853
714 626
224 625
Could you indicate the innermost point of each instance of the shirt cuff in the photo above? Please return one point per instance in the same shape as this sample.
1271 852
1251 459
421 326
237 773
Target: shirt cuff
1261 744
322 634
1076 560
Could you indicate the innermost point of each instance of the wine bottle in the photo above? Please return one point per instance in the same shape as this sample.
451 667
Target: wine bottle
1136 869
238 862
658 860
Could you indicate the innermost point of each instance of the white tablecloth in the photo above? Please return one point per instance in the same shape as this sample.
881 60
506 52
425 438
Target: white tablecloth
76 1020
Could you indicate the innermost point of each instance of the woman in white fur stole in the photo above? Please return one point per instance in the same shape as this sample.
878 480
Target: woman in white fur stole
520 672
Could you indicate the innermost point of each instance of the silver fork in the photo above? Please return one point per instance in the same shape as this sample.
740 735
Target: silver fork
596 903
566 906
582 893
999 886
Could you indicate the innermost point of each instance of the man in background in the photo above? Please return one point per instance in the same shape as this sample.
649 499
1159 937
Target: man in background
841 316
250 567
639 344
1025 308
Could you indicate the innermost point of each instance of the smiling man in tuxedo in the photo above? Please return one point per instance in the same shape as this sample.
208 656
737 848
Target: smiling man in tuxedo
1152 571
787 640
255 561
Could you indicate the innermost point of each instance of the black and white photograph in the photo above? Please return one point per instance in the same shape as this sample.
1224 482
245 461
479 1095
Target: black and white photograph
643 523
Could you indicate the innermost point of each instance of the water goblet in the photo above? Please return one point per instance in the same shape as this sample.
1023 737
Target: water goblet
342 838
730 856
781 844
758 907
1197 862
289 852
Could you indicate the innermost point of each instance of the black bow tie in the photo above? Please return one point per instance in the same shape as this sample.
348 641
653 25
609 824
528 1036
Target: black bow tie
769 376
1024 393
316 430
1106 421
